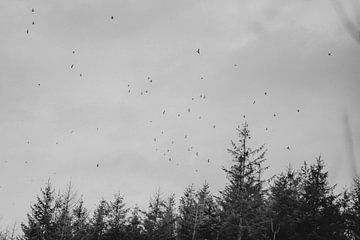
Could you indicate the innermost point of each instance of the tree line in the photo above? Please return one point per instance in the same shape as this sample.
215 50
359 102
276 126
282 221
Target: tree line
297 204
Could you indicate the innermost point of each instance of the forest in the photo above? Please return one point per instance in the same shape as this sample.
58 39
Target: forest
297 204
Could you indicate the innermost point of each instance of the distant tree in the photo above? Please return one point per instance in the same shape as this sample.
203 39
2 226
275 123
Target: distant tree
134 228
207 223
320 216
153 221
284 205
352 213
41 225
168 224
80 225
242 200
187 214
63 217
99 221
117 218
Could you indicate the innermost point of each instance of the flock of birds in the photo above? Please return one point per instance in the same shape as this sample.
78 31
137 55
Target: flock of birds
166 153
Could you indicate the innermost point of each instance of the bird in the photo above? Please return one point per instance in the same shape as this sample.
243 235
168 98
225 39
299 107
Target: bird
298 110
329 54
154 139
112 17
201 77
129 91
198 51
235 65
72 65
97 165
146 91
151 80
72 131
170 159
185 136
28 142
73 52
33 23
243 116
265 93
208 160
214 126
27 31
32 10
197 154
288 148
178 114
128 85
164 112
253 102
188 109
172 142
39 84
56 143
80 74
266 129
199 117
192 99
274 115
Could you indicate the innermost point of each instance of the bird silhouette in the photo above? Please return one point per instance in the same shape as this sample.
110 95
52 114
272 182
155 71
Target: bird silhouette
80 74
72 65
214 126
112 17
274 115
288 148
198 51
164 112
73 52
188 109
208 160
33 23
265 93
39 84
32 10
253 102
329 54
27 31
154 139
298 110
266 129
97 165
197 154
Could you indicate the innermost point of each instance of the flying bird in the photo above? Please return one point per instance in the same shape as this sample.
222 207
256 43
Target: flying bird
27 31
32 10
33 23
72 65
164 112
198 51
208 160
288 148
80 74
97 165
253 102
188 109
214 126
265 93
112 17
329 54
73 52
298 110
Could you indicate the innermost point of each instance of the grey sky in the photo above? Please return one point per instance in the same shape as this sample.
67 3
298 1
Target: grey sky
247 48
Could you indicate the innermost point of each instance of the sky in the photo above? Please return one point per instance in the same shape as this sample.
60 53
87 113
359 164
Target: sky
66 113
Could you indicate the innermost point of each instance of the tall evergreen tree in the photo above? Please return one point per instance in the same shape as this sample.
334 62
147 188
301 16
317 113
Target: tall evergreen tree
320 217
242 200
134 228
80 223
41 225
117 218
99 221
352 212
187 214
154 217
284 205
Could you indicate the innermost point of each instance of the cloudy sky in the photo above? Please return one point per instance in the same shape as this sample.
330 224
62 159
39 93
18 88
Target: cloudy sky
60 122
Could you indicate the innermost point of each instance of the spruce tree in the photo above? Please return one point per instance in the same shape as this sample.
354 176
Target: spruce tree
353 210
80 223
154 217
187 214
242 200
117 218
41 225
99 221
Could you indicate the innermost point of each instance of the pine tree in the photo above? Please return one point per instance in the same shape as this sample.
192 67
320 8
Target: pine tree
207 221
117 218
168 223
352 211
284 205
187 214
80 223
134 228
154 217
41 224
63 217
242 201
99 222
320 216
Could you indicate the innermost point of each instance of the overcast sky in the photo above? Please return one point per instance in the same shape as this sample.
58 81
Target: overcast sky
57 124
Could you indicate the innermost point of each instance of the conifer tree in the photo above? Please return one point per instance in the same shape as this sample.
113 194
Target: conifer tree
99 222
187 213
353 210
80 223
134 228
41 224
242 200
117 218
154 217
